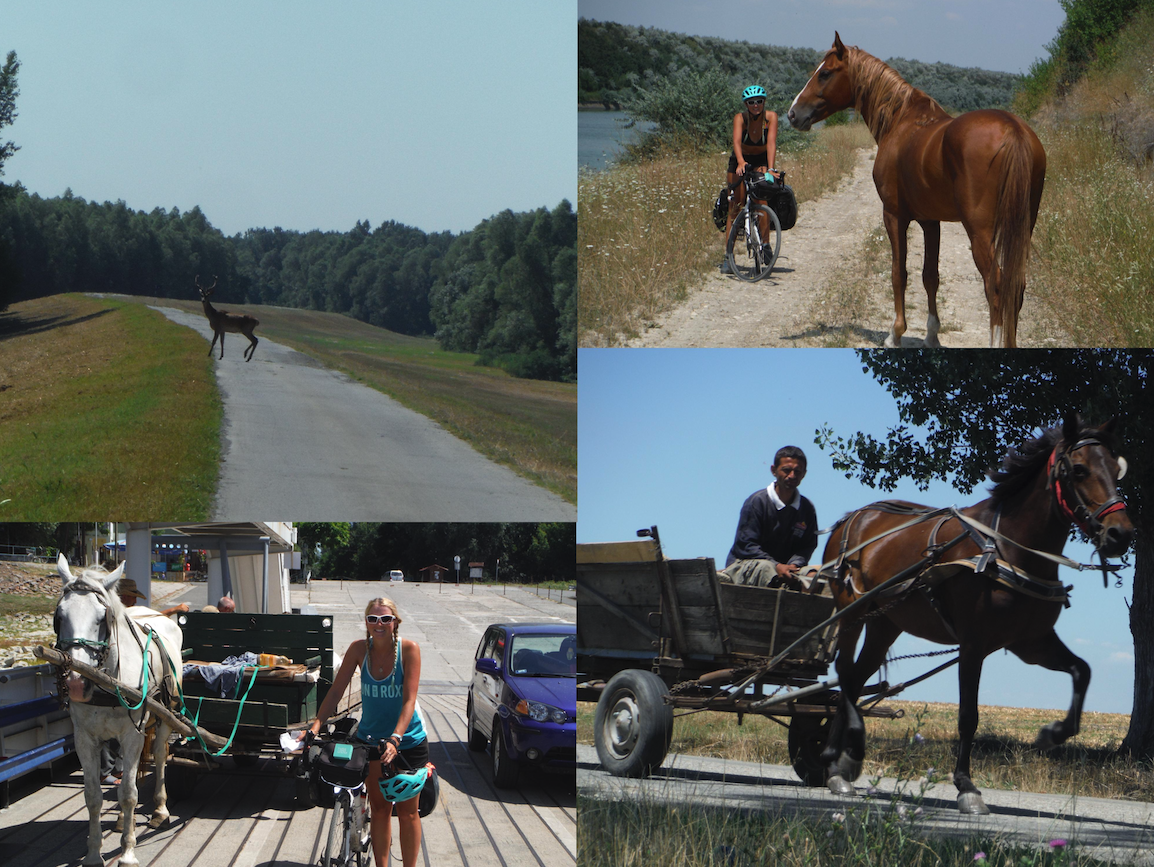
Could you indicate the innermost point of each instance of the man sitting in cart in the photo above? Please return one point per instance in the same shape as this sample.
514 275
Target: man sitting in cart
777 529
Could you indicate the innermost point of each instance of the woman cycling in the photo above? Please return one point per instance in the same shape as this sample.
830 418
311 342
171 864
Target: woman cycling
390 672
754 145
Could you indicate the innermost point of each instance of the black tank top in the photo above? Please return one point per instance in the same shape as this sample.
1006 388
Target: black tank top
758 146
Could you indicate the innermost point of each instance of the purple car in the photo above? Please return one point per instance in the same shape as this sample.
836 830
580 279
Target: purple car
523 698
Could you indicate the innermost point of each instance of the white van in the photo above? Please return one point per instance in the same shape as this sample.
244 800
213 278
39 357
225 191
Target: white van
396 575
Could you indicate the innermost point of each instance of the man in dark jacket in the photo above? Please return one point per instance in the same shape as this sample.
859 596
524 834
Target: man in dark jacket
777 529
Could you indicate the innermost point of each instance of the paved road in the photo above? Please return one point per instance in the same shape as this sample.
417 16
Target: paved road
306 441
1121 831
240 817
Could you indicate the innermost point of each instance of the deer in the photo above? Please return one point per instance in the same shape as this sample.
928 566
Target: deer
223 322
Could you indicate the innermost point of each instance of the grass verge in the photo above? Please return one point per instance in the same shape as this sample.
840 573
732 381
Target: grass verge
528 425
922 743
107 409
645 235
644 832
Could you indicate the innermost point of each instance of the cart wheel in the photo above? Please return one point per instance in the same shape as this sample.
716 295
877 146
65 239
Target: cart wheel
179 781
807 736
633 726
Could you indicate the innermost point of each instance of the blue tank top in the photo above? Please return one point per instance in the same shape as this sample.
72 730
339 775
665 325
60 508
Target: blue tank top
381 702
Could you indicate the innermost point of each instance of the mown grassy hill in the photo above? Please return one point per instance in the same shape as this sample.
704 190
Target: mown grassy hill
110 409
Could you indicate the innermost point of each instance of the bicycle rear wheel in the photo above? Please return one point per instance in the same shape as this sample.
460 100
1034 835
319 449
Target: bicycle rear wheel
338 849
752 258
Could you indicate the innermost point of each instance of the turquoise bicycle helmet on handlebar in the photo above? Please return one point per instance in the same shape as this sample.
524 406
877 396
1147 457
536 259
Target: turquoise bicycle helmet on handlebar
753 91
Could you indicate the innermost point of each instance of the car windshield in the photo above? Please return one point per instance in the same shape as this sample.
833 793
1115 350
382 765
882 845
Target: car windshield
544 655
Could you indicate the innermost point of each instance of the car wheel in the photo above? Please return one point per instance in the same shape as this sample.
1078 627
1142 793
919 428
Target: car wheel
477 740
504 768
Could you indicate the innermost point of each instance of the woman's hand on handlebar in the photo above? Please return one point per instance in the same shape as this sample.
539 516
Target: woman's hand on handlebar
741 168
388 752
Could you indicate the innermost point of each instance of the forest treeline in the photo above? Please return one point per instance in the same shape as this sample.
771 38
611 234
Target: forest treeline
505 290
526 553
612 58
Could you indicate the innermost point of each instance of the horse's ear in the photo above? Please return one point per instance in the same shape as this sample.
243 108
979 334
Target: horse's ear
1108 427
1071 428
65 573
837 45
112 577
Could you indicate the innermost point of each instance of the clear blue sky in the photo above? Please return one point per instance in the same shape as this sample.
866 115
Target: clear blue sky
679 438
1004 35
300 115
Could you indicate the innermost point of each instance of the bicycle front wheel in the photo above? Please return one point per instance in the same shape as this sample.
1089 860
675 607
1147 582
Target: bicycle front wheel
751 258
338 849
362 830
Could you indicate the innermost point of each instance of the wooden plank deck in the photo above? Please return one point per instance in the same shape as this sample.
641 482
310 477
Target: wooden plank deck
245 817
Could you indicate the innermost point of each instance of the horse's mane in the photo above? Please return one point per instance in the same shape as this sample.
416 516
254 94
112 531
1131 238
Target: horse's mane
882 95
1021 464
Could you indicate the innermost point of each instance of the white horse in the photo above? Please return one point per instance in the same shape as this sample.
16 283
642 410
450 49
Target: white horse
93 627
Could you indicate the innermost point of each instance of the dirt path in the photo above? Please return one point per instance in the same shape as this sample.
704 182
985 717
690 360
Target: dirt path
827 249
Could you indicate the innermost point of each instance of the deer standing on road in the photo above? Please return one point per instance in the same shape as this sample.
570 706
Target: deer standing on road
223 322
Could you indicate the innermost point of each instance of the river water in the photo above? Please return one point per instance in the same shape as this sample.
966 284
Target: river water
600 135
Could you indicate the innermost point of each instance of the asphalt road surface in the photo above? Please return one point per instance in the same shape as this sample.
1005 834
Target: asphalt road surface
1119 831
308 442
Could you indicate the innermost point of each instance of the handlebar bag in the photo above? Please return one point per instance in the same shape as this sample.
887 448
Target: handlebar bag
342 764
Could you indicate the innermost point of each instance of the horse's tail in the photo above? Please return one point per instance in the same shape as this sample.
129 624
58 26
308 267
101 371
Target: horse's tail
1013 225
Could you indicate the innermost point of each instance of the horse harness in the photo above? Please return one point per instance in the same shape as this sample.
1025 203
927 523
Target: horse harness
988 561
100 696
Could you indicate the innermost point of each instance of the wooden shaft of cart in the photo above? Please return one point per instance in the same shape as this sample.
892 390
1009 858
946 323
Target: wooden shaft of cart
176 721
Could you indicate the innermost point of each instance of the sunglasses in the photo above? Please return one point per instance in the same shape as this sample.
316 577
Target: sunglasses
380 618
755 102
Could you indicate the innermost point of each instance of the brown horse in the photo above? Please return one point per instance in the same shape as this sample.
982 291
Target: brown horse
985 587
984 169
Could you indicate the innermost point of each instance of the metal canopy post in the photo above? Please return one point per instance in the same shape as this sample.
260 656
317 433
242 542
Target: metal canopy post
264 569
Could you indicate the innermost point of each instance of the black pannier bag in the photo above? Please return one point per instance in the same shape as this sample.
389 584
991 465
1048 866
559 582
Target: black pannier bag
784 204
721 209
342 764
780 198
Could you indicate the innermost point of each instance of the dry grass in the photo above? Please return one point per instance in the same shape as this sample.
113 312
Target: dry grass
528 425
1091 260
645 232
107 409
1003 757
849 296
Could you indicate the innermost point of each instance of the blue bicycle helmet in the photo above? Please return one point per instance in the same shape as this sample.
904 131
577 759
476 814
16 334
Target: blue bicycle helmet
754 90
403 786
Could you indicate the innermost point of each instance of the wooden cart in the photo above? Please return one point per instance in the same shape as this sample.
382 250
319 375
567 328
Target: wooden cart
280 698
656 634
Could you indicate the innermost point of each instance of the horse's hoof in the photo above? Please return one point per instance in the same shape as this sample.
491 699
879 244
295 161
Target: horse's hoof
848 767
839 785
158 821
128 859
1045 740
99 862
971 804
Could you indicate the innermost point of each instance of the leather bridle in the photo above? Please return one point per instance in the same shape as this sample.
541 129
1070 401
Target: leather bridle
1071 504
